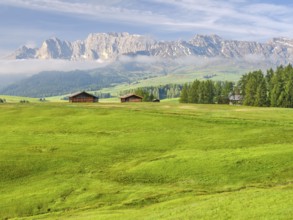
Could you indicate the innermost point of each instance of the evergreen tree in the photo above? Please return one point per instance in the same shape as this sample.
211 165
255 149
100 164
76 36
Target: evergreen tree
289 93
254 89
277 88
184 94
209 89
227 90
250 91
288 87
269 76
242 84
201 93
218 92
261 94
193 92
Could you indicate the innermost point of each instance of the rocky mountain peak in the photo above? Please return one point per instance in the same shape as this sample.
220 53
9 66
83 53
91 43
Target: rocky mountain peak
23 52
109 46
54 48
281 41
205 40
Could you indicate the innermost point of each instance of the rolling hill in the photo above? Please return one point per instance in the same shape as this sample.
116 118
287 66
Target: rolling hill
145 161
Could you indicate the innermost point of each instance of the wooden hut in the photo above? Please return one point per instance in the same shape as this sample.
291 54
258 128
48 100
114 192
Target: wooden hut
131 98
235 99
83 97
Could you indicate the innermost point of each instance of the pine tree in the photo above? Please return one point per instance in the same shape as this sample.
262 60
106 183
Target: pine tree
218 92
250 91
209 88
201 93
184 94
269 77
261 94
227 90
254 88
193 92
277 88
288 87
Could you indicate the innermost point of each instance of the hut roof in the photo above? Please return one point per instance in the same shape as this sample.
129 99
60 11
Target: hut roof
129 95
83 92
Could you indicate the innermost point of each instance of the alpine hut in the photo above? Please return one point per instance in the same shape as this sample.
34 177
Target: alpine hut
235 99
83 97
131 98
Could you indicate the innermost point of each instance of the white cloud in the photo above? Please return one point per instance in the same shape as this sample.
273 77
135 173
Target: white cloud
89 9
4 53
140 59
30 67
233 19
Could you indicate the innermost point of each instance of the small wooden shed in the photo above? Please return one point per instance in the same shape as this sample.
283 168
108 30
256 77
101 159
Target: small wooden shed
83 97
131 98
235 99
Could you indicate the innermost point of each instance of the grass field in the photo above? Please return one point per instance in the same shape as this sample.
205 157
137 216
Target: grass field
145 161
178 78
15 99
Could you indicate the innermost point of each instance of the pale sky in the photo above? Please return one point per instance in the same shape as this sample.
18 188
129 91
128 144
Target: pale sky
29 22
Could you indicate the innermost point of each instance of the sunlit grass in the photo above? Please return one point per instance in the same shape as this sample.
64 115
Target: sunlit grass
145 161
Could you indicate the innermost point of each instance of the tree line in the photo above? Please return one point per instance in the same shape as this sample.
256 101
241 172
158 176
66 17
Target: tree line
206 92
273 89
156 92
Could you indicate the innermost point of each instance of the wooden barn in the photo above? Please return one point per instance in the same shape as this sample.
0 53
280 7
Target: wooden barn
83 97
131 98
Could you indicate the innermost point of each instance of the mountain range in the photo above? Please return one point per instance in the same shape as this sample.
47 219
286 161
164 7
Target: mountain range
109 46
131 58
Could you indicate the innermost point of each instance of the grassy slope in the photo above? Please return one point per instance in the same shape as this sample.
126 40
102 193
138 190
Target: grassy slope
185 74
145 161
13 99
171 79
180 76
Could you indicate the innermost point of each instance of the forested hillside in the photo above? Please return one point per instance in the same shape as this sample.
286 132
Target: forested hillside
273 89
58 83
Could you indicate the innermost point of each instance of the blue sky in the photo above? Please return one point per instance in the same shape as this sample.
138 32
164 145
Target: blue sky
29 22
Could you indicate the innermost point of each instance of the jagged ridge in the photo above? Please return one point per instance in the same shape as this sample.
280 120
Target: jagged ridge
107 46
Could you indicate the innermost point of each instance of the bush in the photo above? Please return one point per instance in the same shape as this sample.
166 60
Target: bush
24 101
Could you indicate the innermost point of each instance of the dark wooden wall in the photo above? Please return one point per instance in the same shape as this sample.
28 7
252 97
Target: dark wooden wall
131 99
83 99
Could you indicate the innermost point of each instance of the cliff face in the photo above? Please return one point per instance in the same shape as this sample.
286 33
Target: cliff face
102 46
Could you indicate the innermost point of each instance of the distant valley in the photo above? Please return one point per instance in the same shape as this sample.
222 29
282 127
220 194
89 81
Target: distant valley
141 60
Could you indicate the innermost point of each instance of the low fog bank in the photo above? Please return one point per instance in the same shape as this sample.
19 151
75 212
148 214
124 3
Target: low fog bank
30 67
55 77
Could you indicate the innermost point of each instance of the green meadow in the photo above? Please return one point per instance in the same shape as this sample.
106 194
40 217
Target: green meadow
145 161
15 99
176 78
